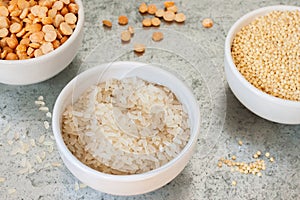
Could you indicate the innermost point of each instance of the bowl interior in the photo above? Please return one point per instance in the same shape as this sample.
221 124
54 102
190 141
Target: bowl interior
63 47
238 25
121 70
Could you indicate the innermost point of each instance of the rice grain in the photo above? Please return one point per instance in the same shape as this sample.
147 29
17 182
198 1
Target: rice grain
126 126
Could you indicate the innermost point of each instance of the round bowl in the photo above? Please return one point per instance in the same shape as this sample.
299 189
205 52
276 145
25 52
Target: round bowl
34 70
126 184
262 104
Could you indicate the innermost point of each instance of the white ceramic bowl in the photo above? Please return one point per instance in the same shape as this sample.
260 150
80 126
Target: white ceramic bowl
34 70
262 104
126 184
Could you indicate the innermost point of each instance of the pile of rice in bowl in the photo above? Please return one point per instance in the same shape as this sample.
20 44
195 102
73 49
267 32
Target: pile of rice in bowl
126 126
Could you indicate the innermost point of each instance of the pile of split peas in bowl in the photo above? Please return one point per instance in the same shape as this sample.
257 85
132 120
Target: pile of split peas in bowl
29 29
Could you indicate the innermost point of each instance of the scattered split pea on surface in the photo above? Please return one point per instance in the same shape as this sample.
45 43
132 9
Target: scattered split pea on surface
125 36
143 8
266 53
30 29
107 23
123 20
139 48
168 14
157 36
207 23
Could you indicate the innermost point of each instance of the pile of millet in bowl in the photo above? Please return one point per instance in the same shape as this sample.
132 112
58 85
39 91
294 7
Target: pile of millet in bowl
29 29
126 126
267 53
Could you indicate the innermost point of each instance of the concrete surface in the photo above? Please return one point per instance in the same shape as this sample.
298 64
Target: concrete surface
193 53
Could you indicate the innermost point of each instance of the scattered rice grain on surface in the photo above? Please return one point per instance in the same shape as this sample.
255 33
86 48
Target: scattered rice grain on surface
11 190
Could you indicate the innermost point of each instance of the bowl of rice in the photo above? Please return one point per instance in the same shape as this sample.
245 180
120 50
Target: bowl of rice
126 128
262 62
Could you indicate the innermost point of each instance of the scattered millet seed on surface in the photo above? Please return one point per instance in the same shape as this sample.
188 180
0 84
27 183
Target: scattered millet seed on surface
266 53
255 156
242 167
240 142
259 174
258 153
233 157
233 183
267 154
272 159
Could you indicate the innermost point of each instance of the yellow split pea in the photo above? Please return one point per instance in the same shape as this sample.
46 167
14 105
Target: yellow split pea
157 36
30 28
139 48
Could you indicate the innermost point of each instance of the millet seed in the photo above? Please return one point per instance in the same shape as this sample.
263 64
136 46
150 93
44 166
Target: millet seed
267 53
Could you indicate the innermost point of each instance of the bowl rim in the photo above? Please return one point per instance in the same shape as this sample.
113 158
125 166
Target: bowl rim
74 35
120 178
231 34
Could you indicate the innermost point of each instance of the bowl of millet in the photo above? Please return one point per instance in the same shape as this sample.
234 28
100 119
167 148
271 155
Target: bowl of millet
262 62
38 39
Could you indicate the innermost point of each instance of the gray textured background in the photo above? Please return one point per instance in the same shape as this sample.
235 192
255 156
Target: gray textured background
193 53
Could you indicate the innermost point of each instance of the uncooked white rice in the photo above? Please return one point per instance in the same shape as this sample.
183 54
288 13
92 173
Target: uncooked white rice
126 126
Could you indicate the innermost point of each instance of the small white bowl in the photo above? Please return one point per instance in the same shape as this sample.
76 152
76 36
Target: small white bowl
126 184
34 70
262 104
